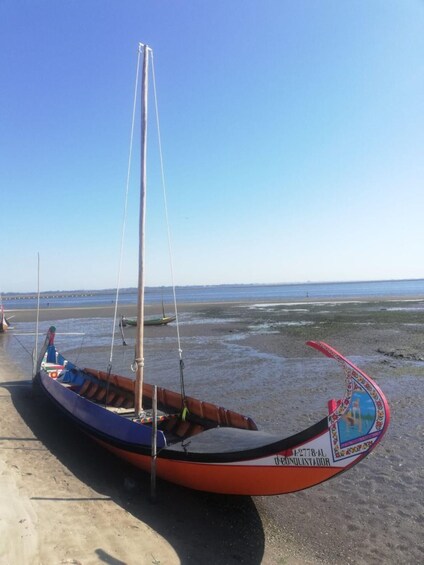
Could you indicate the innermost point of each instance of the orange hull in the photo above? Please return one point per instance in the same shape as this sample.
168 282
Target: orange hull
249 480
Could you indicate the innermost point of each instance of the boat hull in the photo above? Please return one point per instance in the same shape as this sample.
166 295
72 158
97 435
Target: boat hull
251 478
165 320
227 458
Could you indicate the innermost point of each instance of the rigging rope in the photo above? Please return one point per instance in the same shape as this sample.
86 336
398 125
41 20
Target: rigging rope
30 353
180 351
124 220
168 230
80 349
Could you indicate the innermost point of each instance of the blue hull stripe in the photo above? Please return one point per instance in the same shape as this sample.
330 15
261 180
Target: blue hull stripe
99 421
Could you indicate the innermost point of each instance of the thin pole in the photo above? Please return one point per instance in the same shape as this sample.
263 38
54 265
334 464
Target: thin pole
139 348
34 369
154 443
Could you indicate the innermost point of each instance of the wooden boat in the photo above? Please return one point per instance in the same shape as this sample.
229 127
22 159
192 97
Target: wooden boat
206 447
4 322
162 321
201 445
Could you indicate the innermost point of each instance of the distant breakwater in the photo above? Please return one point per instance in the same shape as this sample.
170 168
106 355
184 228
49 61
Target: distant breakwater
53 295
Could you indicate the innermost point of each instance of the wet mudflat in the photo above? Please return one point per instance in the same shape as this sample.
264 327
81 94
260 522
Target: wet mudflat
253 358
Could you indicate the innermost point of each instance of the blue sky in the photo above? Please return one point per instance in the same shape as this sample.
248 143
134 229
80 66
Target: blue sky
292 132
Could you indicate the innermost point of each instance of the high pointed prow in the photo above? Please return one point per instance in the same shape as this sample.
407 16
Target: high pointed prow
139 346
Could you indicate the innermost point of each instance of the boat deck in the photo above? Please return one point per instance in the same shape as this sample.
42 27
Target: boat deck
224 440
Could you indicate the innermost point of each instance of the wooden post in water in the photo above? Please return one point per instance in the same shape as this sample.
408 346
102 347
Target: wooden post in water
35 359
154 444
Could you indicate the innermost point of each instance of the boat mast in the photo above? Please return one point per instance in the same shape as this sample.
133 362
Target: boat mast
139 347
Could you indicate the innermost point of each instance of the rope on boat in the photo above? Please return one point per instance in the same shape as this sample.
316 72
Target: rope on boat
138 362
121 327
184 407
168 230
109 370
80 349
124 219
30 353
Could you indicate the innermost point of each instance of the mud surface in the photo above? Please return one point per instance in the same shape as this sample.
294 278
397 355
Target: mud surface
253 358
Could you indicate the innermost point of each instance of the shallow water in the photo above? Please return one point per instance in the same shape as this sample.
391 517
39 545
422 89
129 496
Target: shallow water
219 367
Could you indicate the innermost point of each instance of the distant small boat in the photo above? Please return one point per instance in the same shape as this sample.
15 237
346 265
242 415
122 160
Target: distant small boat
162 321
4 322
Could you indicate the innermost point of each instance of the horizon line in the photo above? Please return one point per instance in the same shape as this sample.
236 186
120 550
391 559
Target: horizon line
134 288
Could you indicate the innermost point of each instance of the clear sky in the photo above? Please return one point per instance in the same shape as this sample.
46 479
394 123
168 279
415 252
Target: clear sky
292 132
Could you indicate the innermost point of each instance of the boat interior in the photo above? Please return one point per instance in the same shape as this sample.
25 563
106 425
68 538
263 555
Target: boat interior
177 418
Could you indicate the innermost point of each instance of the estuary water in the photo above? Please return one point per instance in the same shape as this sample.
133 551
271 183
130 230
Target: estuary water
224 293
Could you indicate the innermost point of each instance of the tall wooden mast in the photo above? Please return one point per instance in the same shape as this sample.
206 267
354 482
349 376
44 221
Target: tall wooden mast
139 346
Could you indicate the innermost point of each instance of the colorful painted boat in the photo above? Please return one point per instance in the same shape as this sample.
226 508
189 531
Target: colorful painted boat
201 445
206 447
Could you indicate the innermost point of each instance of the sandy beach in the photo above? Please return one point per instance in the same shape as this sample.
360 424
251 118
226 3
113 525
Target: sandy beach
65 500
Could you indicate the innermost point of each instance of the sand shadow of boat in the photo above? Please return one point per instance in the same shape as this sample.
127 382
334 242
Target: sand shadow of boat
201 527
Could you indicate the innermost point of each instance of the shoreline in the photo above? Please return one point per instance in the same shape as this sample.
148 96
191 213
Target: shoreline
67 312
